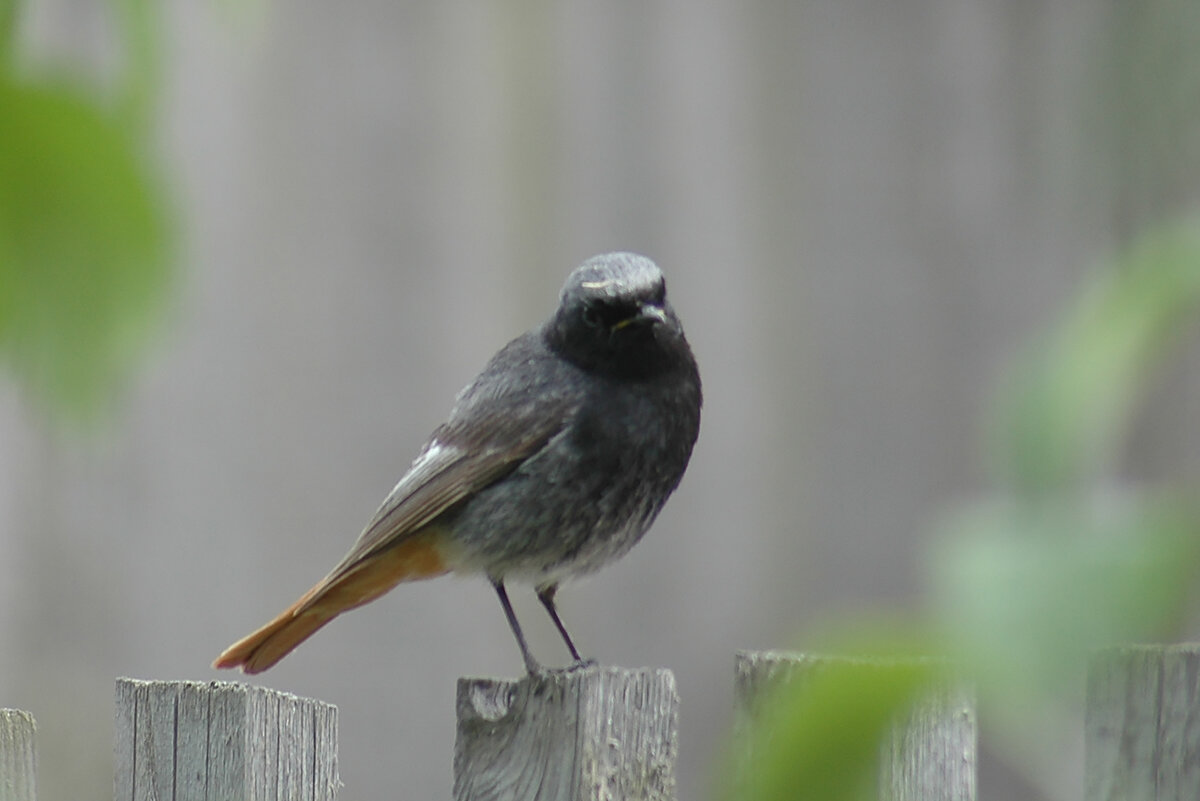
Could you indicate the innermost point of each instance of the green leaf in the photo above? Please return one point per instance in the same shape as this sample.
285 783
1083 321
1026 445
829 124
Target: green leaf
1067 411
1026 592
83 246
819 736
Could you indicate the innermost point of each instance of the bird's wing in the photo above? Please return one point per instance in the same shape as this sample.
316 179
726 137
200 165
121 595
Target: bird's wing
459 460
465 455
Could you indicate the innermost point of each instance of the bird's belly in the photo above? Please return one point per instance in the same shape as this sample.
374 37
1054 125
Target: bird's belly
530 529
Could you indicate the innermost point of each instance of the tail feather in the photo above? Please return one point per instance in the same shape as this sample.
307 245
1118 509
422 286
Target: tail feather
260 650
414 559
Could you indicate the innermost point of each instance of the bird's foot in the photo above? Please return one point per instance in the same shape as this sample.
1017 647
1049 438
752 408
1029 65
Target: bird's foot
537 670
582 664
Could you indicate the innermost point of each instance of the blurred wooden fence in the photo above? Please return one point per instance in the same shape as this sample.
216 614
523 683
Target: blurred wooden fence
610 733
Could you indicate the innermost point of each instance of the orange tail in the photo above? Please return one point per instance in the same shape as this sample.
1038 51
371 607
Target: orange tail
338 592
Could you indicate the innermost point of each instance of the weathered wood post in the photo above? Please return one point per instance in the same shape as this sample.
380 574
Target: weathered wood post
194 740
930 753
18 756
1142 729
584 733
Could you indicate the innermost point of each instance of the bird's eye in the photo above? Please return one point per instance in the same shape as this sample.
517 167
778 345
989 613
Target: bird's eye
591 316
604 314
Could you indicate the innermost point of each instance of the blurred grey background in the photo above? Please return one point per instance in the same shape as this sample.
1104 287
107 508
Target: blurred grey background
863 208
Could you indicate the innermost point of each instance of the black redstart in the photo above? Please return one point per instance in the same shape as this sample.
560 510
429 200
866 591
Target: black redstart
554 461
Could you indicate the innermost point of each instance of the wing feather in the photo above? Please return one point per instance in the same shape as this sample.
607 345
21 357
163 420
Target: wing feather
456 464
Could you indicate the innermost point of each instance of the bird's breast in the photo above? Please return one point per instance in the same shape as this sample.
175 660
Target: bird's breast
586 497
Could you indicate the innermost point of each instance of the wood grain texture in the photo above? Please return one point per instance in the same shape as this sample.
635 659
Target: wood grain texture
195 741
930 752
1142 730
586 733
18 756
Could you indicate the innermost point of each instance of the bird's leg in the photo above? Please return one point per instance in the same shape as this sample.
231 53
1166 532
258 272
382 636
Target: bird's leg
546 596
531 664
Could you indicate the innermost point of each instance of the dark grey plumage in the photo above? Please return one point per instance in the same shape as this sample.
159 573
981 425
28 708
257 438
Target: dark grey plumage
554 461
602 402
609 383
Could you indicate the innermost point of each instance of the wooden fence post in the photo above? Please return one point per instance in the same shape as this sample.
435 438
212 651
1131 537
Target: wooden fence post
584 733
929 755
193 740
1142 728
18 756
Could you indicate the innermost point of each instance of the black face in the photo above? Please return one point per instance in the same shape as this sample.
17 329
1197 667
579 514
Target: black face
613 317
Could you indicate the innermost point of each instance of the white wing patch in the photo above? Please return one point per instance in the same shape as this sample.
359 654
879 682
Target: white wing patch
428 461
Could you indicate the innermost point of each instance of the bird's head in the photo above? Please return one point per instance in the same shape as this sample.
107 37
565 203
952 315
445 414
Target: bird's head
613 317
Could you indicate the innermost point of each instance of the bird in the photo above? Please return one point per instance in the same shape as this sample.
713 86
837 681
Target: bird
553 462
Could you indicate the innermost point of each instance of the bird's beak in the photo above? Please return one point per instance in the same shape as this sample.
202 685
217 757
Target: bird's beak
648 314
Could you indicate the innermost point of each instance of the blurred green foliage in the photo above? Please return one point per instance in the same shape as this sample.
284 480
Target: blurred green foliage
1055 563
786 758
85 239
1074 392
1023 594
